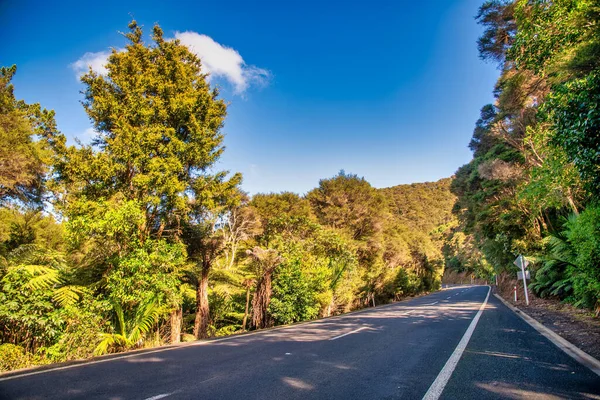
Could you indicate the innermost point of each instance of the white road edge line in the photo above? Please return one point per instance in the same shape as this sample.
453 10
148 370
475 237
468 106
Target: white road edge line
349 333
159 396
437 387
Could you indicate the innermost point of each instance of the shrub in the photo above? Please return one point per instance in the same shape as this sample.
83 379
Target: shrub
584 236
12 357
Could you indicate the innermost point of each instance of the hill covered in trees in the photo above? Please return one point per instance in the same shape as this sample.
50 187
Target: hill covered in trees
135 240
532 187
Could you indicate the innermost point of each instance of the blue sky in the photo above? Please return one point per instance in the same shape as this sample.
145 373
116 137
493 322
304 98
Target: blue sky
389 90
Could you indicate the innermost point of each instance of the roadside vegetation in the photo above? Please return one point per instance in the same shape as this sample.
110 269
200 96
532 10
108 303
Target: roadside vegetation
533 185
137 240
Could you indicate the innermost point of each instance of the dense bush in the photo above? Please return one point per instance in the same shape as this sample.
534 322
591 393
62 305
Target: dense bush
584 236
12 357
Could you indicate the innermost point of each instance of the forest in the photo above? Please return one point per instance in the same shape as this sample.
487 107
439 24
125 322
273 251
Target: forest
533 185
137 240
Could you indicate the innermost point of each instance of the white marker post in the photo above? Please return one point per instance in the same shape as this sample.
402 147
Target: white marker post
523 263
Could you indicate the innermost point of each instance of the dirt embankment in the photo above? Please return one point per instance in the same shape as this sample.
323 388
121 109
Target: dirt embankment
461 278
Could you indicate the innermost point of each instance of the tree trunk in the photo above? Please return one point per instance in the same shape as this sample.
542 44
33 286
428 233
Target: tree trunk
202 310
247 307
572 202
260 302
176 321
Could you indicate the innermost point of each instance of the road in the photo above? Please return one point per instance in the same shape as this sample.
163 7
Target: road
388 352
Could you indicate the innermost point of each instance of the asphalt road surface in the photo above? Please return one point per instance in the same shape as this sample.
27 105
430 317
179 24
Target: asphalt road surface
402 350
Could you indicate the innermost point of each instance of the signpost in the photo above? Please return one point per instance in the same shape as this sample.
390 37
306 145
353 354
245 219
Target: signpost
522 263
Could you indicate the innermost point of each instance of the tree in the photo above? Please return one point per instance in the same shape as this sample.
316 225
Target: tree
23 159
241 223
158 124
159 135
349 202
265 262
214 198
500 27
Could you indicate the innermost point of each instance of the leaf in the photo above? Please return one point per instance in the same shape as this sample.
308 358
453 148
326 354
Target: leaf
67 295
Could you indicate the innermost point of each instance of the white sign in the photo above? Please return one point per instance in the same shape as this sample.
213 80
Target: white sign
520 275
522 263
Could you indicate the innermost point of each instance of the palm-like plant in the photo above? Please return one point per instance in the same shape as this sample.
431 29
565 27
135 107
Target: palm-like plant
130 333
552 278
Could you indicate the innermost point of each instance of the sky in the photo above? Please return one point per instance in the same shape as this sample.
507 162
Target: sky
388 90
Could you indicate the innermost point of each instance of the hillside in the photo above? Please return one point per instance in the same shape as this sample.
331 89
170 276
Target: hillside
421 206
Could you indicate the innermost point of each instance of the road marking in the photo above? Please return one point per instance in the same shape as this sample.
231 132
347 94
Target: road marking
448 297
430 304
349 333
575 352
437 387
159 396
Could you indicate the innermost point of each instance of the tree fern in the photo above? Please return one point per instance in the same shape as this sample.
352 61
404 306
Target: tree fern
552 278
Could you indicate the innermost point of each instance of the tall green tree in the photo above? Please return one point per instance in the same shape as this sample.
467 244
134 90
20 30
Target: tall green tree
159 131
24 157
158 125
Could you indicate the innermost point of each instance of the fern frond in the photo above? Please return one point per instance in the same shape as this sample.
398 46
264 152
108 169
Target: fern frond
68 295
42 277
109 340
146 316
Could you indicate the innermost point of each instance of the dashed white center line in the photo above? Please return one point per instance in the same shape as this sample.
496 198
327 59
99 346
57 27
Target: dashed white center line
159 396
437 387
349 333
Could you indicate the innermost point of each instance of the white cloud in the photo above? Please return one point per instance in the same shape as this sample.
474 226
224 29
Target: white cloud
224 62
217 60
95 60
89 133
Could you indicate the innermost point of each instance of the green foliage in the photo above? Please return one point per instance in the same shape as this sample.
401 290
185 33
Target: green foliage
28 313
574 112
293 297
149 271
406 283
12 357
130 330
536 150
556 37
497 18
348 202
158 124
23 159
583 234
570 269
82 330
552 278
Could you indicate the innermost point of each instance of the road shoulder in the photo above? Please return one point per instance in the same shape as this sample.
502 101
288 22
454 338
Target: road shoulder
575 352
507 358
